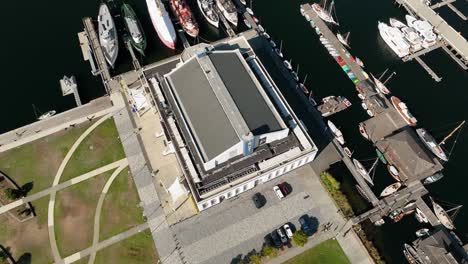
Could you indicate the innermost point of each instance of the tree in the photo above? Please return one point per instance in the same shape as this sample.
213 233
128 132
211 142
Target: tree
300 238
269 251
255 259
12 194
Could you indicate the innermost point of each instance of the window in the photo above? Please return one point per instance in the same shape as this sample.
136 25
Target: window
229 194
238 191
262 141
205 205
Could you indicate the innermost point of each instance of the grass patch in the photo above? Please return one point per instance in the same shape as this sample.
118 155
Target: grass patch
101 147
121 210
327 252
30 238
136 249
74 214
333 187
33 166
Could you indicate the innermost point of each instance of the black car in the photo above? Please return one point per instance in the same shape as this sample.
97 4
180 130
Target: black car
282 235
305 225
258 200
276 239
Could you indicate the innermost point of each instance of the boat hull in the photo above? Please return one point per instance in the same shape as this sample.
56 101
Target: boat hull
162 23
108 35
128 12
185 16
213 21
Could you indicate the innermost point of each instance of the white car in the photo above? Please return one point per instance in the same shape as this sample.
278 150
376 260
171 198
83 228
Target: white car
288 230
278 192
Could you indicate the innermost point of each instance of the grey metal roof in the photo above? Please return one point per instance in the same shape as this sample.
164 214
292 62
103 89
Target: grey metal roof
202 110
250 102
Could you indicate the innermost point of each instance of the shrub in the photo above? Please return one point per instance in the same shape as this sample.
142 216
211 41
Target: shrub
12 194
269 251
300 238
255 259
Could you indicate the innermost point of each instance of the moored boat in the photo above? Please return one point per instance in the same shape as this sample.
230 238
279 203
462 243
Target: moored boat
381 156
422 232
347 152
433 178
342 39
336 132
207 9
47 115
229 10
362 130
162 23
380 86
133 26
394 38
393 172
108 35
184 15
420 216
396 23
412 255
431 143
325 15
442 215
403 111
390 189
363 172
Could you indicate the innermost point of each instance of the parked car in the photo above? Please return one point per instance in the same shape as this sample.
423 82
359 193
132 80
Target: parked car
258 200
284 188
288 231
278 192
305 225
276 239
282 236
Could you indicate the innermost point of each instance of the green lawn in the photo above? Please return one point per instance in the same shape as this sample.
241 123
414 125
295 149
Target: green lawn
30 237
136 249
35 164
328 252
99 148
74 214
120 209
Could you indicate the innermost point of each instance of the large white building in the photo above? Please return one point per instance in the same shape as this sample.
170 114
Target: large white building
230 125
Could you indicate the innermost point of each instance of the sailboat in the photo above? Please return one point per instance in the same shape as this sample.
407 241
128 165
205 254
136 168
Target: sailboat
287 64
420 216
336 132
295 74
324 13
422 232
391 189
45 115
279 51
362 130
433 178
363 172
442 215
306 91
133 26
380 86
381 156
343 40
432 144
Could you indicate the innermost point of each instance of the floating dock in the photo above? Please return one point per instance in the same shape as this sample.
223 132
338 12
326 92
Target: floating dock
387 130
453 42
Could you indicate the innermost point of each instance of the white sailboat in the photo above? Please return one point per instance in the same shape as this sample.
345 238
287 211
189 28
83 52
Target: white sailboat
442 215
279 51
363 172
432 144
420 216
391 189
343 40
336 132
325 13
380 86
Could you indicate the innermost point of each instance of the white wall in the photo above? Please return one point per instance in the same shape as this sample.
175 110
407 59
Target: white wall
262 178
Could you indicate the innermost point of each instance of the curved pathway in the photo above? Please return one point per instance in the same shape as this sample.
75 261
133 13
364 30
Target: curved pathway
50 214
97 215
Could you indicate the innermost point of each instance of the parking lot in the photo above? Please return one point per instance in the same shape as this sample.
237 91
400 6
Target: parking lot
236 226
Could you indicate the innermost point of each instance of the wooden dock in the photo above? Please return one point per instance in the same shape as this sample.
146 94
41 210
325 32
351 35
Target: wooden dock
97 52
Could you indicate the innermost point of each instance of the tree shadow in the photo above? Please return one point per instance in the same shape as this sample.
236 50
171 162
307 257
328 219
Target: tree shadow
25 259
237 259
314 223
27 187
5 252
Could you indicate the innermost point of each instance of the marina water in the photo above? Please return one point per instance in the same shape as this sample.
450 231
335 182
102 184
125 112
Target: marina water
42 46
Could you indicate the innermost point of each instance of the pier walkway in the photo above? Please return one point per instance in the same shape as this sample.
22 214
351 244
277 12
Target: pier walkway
452 37
96 50
70 118
331 37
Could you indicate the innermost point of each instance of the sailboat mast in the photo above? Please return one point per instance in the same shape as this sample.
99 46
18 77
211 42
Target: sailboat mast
281 46
305 79
389 77
297 71
383 73
451 133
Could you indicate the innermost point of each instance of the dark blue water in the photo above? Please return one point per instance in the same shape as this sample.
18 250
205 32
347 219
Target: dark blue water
40 45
